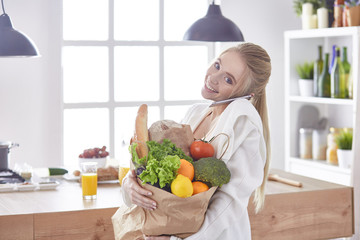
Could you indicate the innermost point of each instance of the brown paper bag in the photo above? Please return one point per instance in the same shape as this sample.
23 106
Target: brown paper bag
180 134
174 216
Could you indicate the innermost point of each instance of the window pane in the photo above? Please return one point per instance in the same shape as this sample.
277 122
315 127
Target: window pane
136 20
176 113
136 73
85 74
124 128
84 128
85 19
185 69
179 15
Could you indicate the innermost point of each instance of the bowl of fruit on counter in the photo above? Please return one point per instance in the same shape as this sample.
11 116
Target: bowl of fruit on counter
98 155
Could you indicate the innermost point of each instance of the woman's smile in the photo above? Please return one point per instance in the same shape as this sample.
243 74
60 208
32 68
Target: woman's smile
208 87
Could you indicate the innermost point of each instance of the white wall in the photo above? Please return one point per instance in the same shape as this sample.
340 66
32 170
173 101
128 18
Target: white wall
29 97
30 88
263 22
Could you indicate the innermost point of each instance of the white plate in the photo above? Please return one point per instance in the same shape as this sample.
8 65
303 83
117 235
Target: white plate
26 187
7 187
71 177
48 185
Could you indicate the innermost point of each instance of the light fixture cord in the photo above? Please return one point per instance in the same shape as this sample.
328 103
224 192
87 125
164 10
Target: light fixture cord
2 5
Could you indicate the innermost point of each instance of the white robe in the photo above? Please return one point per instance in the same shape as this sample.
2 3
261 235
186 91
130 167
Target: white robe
227 217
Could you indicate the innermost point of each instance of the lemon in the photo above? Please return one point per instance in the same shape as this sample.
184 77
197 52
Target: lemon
181 186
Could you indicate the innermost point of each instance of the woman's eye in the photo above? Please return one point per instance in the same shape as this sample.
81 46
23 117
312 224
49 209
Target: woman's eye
228 80
217 65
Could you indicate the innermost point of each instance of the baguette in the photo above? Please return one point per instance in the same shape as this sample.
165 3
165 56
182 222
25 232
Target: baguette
141 131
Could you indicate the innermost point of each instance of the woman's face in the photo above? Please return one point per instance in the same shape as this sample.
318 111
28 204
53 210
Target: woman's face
222 76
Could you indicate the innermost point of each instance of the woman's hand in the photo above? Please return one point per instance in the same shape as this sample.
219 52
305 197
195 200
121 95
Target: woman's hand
156 237
138 195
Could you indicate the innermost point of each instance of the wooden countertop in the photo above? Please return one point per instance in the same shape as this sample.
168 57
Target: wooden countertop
317 210
67 197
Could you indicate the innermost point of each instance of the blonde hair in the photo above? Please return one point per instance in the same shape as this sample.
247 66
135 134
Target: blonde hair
258 64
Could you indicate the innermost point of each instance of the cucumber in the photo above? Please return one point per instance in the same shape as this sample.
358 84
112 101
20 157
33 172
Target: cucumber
57 171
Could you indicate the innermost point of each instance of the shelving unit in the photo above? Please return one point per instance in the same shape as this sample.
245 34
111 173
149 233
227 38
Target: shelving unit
300 46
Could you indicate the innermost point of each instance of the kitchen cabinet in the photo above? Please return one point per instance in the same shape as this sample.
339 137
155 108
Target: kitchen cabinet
300 46
317 210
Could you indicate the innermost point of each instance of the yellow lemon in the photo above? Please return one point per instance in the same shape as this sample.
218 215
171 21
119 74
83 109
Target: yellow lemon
181 186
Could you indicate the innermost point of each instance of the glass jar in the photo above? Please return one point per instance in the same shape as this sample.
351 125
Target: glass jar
305 143
331 155
319 144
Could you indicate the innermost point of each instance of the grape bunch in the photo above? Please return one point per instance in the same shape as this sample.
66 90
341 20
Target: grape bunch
94 153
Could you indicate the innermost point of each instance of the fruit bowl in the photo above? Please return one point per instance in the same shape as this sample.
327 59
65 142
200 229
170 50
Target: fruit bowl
98 155
101 162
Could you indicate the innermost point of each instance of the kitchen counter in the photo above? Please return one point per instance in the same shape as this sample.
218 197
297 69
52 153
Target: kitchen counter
318 210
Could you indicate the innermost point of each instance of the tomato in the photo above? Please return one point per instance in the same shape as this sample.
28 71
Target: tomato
201 149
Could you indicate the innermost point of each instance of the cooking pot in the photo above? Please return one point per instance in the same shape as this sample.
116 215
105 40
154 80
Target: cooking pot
4 152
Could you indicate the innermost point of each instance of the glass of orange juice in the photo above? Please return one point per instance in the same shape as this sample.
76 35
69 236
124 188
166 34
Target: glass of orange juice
123 170
89 180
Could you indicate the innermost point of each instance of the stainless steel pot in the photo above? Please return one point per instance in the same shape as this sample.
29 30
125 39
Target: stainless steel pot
4 153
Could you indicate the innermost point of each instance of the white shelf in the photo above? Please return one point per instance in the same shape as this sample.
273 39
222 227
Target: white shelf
300 46
321 164
320 170
322 33
335 101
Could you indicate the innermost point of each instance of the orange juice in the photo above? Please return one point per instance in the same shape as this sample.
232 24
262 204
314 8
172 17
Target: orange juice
89 185
122 173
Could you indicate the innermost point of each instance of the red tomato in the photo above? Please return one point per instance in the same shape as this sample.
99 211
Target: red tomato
201 149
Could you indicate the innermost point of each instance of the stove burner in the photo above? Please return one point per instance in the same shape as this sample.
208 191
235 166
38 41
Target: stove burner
9 176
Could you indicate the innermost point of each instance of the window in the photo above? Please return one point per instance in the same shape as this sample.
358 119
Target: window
118 54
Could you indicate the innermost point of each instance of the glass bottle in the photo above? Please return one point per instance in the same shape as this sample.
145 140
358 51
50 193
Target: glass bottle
318 66
331 155
338 10
324 80
346 66
333 57
305 143
338 83
351 82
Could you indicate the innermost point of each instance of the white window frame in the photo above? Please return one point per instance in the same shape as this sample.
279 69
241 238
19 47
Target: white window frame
111 105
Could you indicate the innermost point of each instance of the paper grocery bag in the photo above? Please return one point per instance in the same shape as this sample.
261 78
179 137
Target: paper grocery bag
174 216
179 134
127 223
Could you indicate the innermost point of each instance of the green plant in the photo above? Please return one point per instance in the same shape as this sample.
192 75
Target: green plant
305 70
316 4
344 140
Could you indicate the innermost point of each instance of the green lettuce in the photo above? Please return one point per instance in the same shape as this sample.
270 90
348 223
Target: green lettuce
163 171
161 164
135 158
161 150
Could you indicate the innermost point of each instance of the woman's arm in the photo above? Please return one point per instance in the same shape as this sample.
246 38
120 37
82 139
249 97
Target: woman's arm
134 193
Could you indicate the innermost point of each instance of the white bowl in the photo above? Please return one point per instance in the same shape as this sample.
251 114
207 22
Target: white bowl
101 162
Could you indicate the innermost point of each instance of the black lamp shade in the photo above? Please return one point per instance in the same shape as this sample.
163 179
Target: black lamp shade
14 43
214 27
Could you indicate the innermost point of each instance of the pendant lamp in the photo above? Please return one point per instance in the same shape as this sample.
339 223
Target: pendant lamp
214 27
14 43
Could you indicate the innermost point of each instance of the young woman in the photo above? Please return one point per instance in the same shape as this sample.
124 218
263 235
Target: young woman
239 71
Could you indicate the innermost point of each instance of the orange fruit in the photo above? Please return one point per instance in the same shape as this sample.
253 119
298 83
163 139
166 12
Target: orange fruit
182 187
186 169
199 187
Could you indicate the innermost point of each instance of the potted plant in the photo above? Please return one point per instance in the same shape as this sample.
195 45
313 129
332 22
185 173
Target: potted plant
353 12
306 78
344 151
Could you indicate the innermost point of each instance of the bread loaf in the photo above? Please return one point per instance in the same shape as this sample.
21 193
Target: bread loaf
141 135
